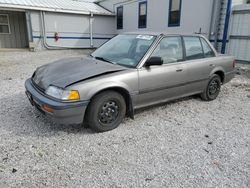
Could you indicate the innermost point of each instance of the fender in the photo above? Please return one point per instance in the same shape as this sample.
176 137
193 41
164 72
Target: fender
216 70
119 87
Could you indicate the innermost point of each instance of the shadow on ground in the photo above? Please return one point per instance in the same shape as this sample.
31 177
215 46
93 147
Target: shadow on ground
21 118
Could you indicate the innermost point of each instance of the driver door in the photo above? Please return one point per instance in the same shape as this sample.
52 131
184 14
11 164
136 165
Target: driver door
163 82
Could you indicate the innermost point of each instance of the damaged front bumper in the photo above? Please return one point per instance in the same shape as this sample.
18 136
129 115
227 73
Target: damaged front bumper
60 112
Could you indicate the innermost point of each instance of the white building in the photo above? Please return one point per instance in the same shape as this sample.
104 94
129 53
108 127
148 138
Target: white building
81 24
208 17
54 24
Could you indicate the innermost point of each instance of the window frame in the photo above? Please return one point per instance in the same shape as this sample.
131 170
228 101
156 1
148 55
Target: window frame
139 11
169 14
119 27
8 24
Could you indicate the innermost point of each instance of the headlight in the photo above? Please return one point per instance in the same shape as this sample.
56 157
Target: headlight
62 94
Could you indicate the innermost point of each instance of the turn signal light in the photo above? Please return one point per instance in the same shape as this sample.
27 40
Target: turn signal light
73 95
47 108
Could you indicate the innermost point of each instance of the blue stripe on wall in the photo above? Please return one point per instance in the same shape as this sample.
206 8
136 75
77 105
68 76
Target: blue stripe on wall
51 37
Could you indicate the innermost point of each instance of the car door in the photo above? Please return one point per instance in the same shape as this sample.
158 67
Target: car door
160 83
199 63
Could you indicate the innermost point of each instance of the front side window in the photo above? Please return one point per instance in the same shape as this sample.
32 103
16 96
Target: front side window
142 23
126 50
4 24
169 49
208 52
174 17
193 48
119 17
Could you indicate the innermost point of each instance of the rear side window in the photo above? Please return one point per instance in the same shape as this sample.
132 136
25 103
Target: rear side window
208 52
193 48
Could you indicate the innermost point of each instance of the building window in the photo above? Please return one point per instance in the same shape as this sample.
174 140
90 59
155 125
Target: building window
174 17
119 15
142 23
4 24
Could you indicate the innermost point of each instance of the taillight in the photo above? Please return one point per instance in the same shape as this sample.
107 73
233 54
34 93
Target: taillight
234 63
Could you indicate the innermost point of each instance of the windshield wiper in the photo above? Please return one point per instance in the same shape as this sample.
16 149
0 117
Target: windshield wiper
103 59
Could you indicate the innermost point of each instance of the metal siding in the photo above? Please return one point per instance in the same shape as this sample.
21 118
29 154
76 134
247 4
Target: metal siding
239 43
18 36
73 29
70 6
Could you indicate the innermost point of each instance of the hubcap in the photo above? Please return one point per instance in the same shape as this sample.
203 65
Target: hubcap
214 87
108 113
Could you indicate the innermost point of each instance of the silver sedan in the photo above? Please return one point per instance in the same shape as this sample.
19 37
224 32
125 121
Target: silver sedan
128 72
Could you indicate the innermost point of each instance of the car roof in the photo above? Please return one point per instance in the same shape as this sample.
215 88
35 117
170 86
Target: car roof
160 33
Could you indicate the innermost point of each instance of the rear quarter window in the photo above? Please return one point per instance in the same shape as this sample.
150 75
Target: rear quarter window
193 48
208 52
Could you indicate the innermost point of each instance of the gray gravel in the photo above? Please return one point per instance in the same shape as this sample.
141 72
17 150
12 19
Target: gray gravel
186 143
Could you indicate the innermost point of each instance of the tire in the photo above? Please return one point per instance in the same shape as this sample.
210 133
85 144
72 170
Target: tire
213 88
106 111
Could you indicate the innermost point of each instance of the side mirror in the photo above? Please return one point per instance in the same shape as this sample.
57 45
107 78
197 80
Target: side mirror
154 61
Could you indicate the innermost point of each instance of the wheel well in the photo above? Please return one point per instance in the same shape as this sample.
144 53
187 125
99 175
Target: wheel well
126 96
221 75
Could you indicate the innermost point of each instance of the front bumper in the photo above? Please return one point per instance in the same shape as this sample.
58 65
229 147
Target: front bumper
63 112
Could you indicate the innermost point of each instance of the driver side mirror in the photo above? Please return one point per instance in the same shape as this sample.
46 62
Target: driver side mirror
152 61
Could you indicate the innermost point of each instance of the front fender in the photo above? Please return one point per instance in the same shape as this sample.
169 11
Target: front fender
120 87
93 91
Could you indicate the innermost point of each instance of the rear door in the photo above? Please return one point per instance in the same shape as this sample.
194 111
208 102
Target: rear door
199 61
163 82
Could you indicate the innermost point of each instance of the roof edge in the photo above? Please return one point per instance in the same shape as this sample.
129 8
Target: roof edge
25 7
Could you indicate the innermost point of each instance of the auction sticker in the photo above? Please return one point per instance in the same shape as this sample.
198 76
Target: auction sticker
144 37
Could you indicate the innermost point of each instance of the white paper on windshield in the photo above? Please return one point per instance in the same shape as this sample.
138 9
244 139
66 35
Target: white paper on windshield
144 37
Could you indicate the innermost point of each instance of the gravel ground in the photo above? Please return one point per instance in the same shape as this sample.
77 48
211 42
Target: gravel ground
185 143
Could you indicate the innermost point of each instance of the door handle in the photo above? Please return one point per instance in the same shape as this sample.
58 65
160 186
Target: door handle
179 70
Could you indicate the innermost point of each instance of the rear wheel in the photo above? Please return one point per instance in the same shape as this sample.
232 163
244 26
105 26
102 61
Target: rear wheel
106 111
213 88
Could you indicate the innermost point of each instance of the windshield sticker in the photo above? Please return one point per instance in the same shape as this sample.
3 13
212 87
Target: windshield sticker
144 37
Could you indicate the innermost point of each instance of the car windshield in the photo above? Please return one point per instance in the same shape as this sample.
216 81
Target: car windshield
125 50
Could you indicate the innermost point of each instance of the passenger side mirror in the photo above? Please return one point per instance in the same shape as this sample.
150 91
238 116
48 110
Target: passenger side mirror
154 61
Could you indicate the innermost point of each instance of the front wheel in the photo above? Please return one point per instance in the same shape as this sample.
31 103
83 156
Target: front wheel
213 88
106 111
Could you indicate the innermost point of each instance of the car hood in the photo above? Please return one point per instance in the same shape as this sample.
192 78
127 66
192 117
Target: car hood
65 72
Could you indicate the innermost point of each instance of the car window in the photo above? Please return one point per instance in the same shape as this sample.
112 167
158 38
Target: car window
125 50
169 49
208 52
122 47
193 48
142 45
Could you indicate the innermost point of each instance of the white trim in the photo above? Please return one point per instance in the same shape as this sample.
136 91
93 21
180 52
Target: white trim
12 9
8 24
48 9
